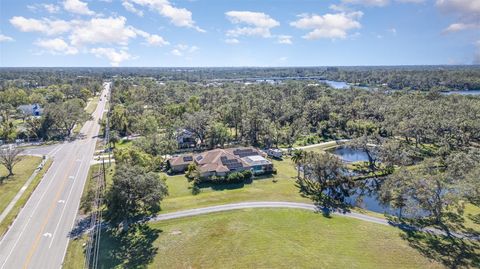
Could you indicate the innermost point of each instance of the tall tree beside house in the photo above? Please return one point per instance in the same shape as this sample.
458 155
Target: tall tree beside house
134 194
217 135
326 181
68 114
198 123
9 157
114 138
7 128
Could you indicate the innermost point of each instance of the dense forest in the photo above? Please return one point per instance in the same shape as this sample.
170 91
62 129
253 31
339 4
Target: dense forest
422 78
423 147
61 103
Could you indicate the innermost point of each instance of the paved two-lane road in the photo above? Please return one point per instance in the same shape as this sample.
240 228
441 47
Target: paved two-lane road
39 236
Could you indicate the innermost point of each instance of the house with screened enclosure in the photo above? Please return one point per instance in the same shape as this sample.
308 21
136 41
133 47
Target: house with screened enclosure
221 162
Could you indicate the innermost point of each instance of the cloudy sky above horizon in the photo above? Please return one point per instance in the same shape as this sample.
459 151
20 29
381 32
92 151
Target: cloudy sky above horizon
238 32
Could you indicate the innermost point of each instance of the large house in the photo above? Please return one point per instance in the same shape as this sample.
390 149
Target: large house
220 162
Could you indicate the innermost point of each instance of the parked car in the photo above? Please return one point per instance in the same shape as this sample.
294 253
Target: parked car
274 153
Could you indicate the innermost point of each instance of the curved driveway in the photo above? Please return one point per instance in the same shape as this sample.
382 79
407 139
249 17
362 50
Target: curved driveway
246 205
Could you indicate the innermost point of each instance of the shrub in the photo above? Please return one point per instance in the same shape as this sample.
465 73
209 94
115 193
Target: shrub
247 174
235 177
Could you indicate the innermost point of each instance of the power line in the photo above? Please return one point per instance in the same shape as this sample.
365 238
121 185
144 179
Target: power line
93 245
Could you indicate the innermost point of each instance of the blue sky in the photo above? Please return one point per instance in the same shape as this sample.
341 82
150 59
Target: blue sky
238 32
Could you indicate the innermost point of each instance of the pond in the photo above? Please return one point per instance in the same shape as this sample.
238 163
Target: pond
366 196
350 155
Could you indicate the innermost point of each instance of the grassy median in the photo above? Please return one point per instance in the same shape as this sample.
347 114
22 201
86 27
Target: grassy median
12 185
24 198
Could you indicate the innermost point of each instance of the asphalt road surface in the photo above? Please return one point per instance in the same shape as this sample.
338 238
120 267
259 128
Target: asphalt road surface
39 236
245 205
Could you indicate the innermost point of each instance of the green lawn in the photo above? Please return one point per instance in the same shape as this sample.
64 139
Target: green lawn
75 255
261 189
124 143
472 217
92 105
22 171
261 238
23 199
90 184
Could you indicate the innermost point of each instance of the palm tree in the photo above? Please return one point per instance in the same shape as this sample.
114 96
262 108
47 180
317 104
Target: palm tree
297 158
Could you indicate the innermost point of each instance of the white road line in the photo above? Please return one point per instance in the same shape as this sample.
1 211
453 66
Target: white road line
57 149
78 203
28 221
65 204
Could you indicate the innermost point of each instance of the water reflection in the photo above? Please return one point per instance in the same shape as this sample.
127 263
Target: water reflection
366 192
472 92
350 155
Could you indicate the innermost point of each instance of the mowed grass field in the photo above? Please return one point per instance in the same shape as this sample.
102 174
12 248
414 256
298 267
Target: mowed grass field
10 217
260 189
262 238
12 185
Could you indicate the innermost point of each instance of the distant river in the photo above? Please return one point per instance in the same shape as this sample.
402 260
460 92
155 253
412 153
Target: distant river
473 92
340 85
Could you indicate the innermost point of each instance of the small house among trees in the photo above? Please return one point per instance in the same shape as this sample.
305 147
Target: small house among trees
31 110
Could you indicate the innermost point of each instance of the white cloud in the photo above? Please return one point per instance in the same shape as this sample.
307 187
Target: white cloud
112 30
177 52
232 41
156 40
131 8
284 39
45 26
51 8
329 25
115 57
182 49
4 38
192 49
393 31
258 23
152 39
456 27
466 11
84 33
77 7
178 16
56 46
462 7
